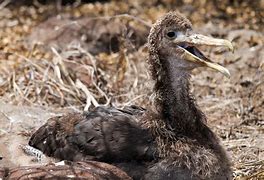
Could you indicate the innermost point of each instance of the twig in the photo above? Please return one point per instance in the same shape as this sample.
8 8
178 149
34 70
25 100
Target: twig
11 121
89 98
4 4
145 23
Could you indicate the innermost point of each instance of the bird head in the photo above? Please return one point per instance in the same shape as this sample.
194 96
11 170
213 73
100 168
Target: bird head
172 37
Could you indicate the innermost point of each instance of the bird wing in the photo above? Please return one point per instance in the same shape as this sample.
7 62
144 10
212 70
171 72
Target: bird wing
104 134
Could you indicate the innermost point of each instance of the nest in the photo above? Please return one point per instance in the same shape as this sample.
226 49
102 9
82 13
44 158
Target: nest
66 170
88 55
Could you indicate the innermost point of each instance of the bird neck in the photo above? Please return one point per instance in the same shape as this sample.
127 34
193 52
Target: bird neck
174 100
178 124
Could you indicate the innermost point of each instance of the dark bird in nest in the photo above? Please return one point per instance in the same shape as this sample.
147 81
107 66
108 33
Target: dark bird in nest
169 140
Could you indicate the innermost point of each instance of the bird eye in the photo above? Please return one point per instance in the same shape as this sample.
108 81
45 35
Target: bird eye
172 34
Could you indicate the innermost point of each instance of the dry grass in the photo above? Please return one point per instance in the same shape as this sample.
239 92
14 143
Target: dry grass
41 74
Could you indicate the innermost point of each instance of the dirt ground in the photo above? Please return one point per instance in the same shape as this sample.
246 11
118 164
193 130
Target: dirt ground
56 58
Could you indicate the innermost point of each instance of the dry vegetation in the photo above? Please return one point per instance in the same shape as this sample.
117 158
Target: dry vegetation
84 55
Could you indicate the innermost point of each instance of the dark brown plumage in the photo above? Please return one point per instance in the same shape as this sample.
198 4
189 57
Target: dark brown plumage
170 140
66 170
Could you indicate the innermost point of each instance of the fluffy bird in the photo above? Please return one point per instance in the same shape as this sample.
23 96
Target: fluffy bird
169 140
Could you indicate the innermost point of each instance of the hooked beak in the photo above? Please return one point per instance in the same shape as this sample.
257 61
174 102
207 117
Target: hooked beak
191 53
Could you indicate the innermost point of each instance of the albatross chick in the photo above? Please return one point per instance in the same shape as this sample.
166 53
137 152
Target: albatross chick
169 140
